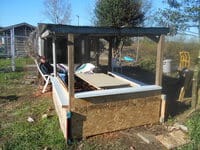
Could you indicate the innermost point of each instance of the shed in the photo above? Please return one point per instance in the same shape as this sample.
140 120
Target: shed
18 34
123 103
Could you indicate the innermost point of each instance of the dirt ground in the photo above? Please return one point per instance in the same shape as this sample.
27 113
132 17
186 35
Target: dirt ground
129 139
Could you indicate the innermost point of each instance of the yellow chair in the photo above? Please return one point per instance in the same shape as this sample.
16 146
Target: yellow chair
185 63
184 60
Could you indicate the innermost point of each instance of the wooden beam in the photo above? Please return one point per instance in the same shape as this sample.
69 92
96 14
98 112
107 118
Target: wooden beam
159 60
54 56
110 55
70 67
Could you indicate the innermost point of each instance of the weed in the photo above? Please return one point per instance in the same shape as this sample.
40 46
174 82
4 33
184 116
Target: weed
194 129
171 120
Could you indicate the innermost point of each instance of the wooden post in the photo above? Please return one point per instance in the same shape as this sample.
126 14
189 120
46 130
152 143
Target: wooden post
159 60
97 50
87 52
195 82
198 96
110 55
163 109
54 56
83 51
71 66
12 45
70 84
40 46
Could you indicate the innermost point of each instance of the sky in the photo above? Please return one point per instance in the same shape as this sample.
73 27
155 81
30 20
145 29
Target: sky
32 12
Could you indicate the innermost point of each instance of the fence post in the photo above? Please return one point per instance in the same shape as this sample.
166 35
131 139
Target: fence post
12 45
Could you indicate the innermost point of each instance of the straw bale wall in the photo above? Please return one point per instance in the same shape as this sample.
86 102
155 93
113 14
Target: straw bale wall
98 115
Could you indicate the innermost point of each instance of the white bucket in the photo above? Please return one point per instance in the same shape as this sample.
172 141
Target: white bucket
167 66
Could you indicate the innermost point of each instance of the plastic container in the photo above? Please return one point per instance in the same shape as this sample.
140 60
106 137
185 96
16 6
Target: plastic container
167 66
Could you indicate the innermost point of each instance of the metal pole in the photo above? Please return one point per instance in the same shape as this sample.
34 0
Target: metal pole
78 19
12 44
54 56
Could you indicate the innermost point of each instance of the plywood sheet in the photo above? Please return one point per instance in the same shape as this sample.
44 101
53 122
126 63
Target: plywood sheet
101 80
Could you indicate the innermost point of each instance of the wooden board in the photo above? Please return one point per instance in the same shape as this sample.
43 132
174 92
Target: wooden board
101 80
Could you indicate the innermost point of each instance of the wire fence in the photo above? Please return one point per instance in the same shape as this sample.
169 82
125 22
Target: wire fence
20 44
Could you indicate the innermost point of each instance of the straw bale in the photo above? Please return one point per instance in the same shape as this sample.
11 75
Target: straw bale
111 113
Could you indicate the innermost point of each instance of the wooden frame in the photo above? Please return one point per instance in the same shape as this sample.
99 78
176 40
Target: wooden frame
84 106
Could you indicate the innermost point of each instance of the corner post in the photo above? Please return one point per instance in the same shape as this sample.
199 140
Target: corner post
71 67
159 60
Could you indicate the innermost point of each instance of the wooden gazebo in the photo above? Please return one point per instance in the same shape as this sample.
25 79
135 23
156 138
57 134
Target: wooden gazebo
102 109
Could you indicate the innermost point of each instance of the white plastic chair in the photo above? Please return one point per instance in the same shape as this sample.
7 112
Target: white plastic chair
44 76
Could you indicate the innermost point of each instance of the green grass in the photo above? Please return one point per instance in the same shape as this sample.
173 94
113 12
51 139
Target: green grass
6 75
193 125
194 130
17 103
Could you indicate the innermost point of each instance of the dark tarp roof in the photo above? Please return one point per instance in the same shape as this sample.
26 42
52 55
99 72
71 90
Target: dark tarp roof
48 30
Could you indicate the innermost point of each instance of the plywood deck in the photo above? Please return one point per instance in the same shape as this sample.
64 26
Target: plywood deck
102 81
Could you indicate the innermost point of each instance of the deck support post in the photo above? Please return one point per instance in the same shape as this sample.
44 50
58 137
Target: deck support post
71 67
159 60
70 47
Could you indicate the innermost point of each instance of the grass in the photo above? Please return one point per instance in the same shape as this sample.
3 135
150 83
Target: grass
194 131
17 103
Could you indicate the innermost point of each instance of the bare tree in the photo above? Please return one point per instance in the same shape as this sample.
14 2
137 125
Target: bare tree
57 11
